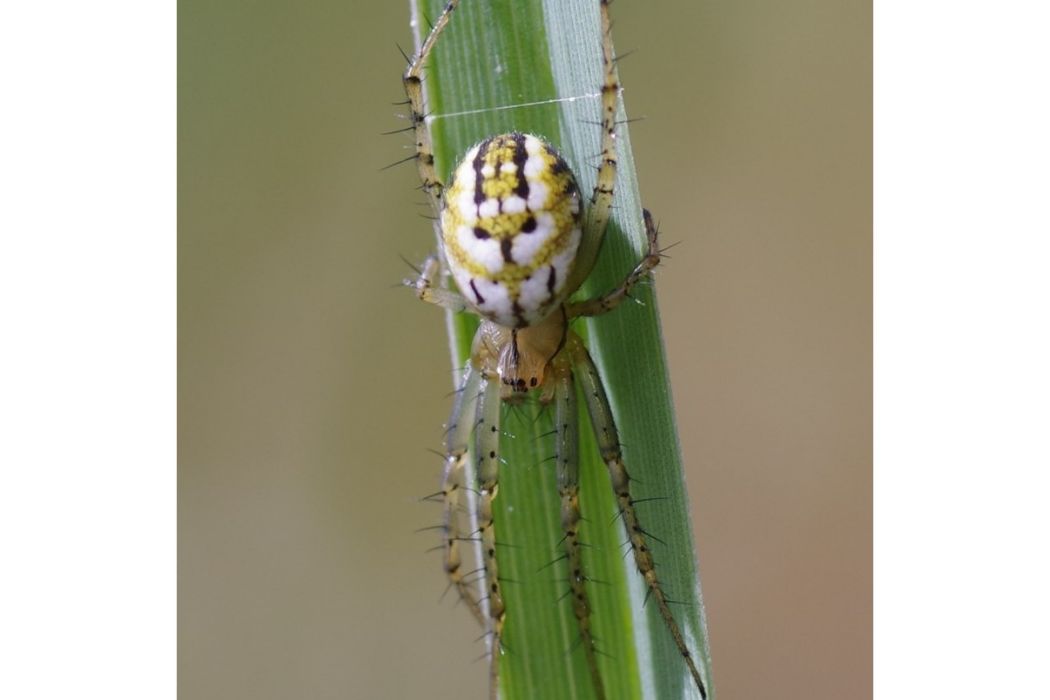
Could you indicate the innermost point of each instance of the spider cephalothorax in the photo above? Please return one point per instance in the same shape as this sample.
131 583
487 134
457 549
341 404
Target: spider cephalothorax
518 242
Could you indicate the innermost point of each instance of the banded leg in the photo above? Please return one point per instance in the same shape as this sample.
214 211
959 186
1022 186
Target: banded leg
596 216
609 445
460 423
427 290
487 436
612 299
601 198
568 440
413 80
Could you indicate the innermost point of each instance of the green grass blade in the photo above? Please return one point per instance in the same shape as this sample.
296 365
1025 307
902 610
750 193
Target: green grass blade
499 67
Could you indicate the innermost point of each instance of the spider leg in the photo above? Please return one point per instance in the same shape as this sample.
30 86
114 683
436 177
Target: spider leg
567 452
597 215
610 300
413 80
428 291
487 436
609 445
460 423
601 198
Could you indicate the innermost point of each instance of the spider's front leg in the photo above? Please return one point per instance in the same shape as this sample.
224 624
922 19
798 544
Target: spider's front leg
427 289
612 299
413 82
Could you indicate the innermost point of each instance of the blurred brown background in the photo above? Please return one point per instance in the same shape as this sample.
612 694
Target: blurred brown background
309 387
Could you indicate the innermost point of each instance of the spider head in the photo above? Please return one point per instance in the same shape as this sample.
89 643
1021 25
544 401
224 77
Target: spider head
520 358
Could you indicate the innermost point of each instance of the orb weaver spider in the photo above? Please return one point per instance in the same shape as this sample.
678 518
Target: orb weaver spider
519 241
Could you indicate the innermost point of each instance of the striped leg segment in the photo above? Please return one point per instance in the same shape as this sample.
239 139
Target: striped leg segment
609 445
413 80
600 210
602 197
568 439
457 435
612 299
429 291
487 436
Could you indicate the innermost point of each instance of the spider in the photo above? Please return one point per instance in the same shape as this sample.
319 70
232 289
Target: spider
519 240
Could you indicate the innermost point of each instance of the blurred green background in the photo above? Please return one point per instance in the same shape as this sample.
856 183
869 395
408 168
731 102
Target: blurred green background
310 386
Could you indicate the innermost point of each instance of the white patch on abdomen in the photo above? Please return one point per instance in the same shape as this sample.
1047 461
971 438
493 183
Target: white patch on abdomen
497 304
513 205
465 171
532 145
562 262
534 166
465 208
535 296
488 208
485 252
537 196
526 245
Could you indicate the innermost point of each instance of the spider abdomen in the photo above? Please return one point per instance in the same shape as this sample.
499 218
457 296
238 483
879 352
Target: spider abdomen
511 226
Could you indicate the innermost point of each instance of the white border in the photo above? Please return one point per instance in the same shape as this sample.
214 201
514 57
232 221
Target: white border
962 352
87 302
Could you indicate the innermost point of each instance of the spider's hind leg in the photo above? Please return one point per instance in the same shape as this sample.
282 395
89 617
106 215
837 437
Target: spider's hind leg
609 445
567 433
487 438
457 435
